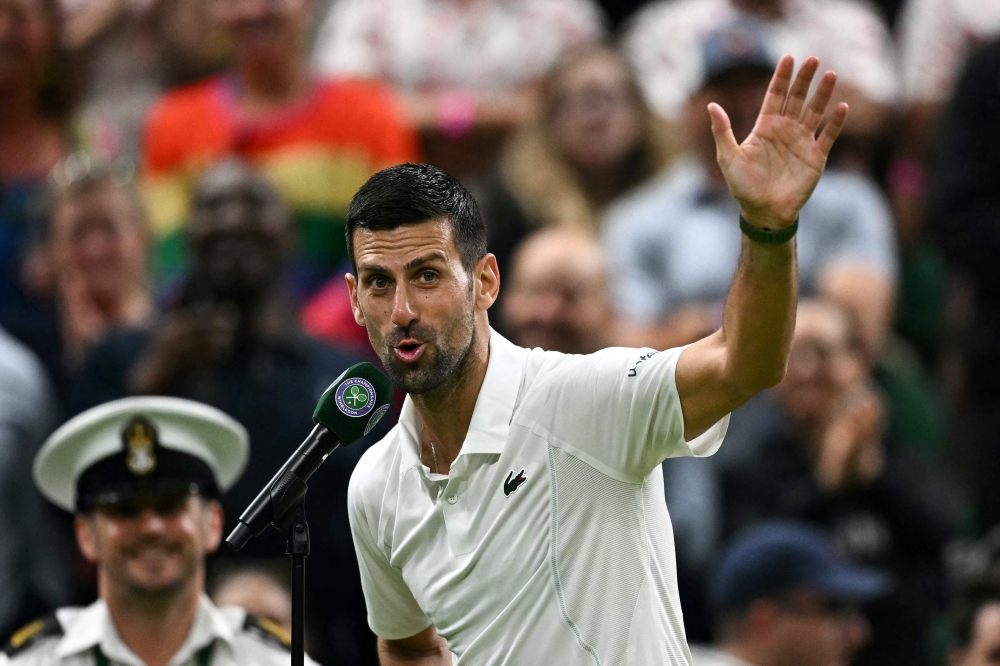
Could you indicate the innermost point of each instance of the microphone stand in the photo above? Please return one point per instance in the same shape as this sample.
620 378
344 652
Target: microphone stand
287 497
298 550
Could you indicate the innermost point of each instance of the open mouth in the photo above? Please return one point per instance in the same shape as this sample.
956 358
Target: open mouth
409 351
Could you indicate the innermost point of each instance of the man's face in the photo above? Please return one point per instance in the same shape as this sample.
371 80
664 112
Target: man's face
417 301
239 233
151 548
98 240
264 29
558 299
741 93
596 119
984 648
821 364
811 630
26 37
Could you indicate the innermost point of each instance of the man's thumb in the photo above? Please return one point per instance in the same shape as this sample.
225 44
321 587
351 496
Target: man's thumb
722 129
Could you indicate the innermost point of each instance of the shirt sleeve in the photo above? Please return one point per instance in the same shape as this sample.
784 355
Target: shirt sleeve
393 613
866 235
618 410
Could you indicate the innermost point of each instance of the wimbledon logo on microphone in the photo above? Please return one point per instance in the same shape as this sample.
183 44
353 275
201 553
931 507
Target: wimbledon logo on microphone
355 397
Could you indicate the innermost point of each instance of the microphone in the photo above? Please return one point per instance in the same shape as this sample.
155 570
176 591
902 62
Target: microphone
347 410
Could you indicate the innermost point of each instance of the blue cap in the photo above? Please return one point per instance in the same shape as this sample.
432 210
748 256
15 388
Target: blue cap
779 556
741 44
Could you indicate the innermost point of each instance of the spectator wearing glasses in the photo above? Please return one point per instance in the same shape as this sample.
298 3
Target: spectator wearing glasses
143 477
784 597
594 140
826 464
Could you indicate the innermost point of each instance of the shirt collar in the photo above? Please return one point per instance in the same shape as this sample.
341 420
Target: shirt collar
494 406
94 626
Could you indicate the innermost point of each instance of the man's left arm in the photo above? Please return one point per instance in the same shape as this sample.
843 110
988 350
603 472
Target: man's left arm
771 174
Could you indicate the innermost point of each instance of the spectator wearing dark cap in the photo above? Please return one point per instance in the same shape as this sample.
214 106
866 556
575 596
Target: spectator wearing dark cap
231 340
784 597
975 634
674 247
850 37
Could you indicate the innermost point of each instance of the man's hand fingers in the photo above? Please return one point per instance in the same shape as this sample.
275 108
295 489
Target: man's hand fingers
725 141
797 95
774 101
832 130
817 105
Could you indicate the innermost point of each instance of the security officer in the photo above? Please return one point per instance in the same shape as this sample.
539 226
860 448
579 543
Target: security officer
143 476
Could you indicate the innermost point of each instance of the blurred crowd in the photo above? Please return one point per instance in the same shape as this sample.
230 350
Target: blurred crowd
174 176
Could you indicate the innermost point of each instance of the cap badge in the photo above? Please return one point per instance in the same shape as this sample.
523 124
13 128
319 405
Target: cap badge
139 437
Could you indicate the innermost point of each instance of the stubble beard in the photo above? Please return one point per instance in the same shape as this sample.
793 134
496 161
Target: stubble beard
446 367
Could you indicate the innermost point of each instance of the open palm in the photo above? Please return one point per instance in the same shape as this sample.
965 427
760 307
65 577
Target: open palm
774 171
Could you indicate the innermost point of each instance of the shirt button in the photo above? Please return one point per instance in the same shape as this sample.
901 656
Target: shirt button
452 499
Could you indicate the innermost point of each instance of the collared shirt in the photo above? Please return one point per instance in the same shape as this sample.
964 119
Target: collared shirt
549 541
675 242
237 641
664 45
486 47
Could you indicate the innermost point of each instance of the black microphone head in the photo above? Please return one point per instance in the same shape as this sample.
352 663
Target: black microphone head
354 403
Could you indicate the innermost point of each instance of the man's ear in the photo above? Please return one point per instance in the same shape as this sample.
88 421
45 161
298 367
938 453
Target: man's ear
352 287
214 519
83 526
486 281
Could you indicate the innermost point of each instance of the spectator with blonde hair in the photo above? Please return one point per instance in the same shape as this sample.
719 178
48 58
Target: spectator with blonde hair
594 140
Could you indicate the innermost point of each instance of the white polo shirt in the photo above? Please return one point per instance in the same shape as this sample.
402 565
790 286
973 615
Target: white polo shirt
575 564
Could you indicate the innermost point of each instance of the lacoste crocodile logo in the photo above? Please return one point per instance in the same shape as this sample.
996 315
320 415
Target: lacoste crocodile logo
510 485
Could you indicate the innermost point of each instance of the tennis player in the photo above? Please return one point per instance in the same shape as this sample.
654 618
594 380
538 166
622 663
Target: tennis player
516 514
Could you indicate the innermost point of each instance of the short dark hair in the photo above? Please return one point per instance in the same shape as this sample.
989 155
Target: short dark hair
970 600
415 193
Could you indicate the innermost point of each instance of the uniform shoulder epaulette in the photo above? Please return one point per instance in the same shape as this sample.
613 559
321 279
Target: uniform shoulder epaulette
32 633
267 630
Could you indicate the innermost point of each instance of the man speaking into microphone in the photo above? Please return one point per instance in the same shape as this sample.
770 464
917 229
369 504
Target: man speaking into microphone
515 514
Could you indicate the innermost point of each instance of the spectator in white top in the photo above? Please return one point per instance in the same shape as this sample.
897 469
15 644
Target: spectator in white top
663 40
673 245
467 70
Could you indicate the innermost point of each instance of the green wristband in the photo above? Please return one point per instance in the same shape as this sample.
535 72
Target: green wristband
767 236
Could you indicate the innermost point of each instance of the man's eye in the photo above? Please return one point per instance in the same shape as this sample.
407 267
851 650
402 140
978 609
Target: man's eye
379 282
428 276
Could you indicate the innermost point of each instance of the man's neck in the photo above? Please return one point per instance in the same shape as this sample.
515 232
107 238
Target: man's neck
154 628
447 411
269 86
772 9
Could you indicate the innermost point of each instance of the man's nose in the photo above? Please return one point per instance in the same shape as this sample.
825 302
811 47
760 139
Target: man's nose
151 521
856 630
403 311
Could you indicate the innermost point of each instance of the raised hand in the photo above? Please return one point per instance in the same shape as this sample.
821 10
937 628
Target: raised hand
774 171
